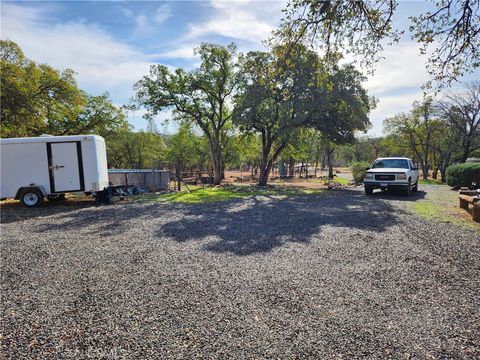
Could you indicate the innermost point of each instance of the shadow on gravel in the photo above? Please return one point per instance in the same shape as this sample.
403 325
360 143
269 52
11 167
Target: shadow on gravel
398 196
257 225
243 227
14 211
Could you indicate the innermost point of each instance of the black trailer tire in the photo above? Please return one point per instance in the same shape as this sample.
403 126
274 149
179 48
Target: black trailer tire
31 197
55 197
368 191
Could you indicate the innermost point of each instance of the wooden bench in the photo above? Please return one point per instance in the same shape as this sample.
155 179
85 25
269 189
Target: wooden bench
466 200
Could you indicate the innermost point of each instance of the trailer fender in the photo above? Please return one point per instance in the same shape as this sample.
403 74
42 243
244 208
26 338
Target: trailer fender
30 187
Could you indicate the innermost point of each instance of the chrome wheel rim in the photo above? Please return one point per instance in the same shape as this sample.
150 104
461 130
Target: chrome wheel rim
30 199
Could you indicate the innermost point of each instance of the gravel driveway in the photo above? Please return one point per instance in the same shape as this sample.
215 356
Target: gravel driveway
335 275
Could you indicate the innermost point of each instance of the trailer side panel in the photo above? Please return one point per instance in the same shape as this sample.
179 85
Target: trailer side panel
23 165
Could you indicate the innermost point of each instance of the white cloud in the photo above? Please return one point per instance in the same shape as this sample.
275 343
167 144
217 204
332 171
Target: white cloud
142 24
396 83
245 20
127 12
389 106
403 66
182 51
163 13
145 24
101 63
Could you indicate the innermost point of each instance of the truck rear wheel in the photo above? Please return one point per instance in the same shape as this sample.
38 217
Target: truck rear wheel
31 198
368 191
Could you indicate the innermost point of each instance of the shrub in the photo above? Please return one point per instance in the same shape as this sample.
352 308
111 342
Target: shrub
359 170
463 174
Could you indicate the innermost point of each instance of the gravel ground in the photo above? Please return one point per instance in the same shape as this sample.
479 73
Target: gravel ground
335 275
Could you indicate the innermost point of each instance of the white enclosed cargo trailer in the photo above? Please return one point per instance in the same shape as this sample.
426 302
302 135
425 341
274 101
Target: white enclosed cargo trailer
50 166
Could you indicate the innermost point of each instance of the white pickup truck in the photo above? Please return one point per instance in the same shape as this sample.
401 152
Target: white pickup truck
392 173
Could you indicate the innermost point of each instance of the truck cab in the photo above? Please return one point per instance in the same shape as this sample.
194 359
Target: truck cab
392 173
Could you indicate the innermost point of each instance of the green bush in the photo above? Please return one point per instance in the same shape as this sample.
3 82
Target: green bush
359 170
463 174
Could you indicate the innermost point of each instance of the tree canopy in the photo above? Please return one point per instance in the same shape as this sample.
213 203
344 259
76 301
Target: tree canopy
38 99
280 93
451 32
200 96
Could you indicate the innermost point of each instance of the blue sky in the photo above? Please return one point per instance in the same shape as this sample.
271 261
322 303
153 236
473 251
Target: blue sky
111 44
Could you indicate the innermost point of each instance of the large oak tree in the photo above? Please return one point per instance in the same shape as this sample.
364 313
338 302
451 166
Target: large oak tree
201 96
289 88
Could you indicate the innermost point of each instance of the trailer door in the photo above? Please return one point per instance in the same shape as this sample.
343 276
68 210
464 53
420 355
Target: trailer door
65 166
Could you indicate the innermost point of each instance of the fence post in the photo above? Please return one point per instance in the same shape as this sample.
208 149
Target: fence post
179 188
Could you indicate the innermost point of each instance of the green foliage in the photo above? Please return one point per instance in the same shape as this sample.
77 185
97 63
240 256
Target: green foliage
242 149
135 150
218 194
98 116
417 131
339 180
290 89
38 99
200 96
359 170
460 112
463 174
183 148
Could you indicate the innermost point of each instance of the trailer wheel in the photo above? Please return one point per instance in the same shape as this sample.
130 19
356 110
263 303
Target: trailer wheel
55 197
31 198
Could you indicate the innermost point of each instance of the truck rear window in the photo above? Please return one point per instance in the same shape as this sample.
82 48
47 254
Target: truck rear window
391 163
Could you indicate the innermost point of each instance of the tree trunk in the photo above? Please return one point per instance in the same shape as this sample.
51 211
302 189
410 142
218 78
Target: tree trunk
323 160
329 153
424 170
264 164
466 152
216 153
435 163
262 181
179 178
291 167
267 161
317 159
443 169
